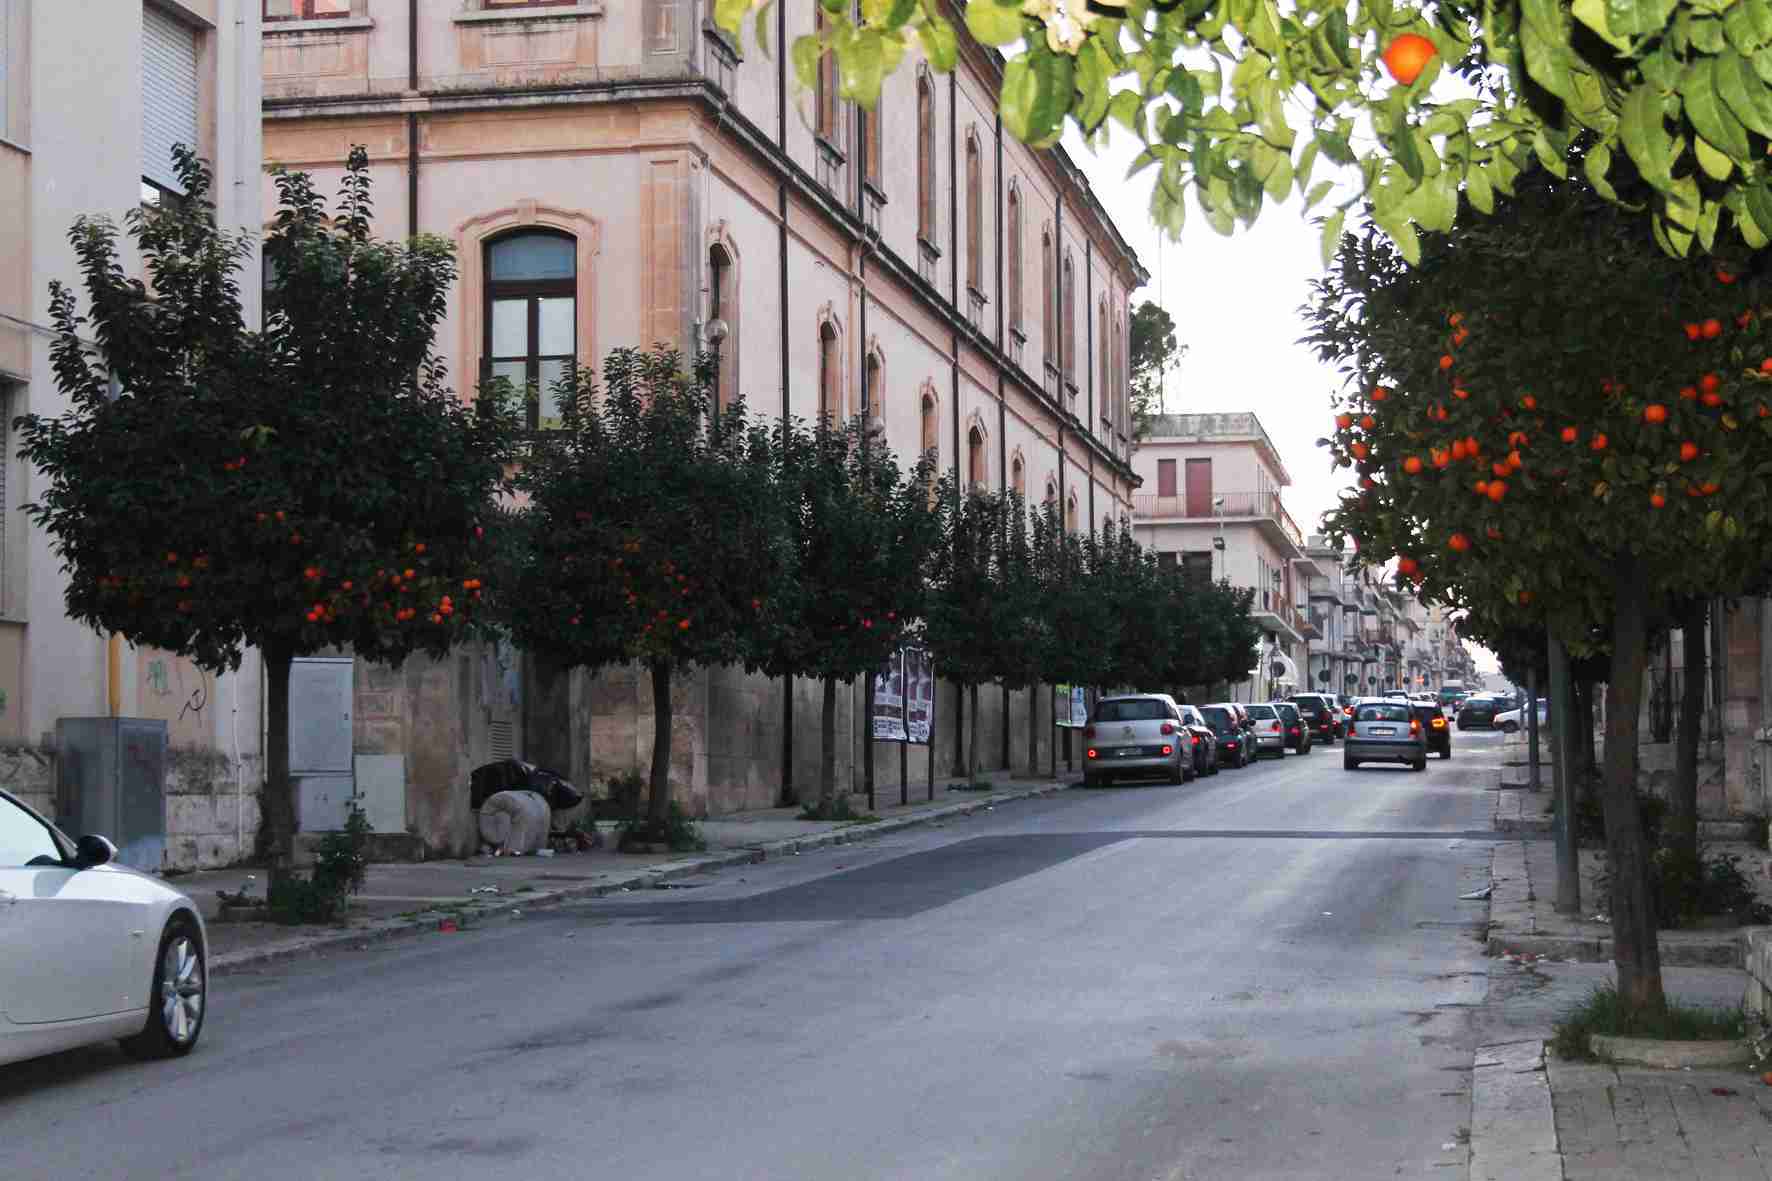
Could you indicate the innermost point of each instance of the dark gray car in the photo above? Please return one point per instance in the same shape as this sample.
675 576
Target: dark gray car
1385 732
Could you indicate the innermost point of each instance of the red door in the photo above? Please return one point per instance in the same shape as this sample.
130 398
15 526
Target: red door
1199 487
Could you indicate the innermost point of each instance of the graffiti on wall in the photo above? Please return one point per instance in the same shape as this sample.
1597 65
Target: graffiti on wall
176 691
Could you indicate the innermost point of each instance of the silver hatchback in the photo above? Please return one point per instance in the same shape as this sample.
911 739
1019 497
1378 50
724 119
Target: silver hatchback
1385 732
1139 734
1270 730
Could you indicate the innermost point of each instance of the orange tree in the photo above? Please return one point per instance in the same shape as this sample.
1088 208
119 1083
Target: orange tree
310 486
653 536
1551 420
859 531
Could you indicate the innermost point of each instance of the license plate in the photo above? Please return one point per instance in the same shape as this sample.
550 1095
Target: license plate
1129 752
1376 730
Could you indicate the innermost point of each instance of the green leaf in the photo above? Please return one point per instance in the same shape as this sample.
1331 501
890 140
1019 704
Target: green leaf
1597 164
762 26
1476 187
941 43
1092 72
1402 232
1016 99
1317 193
992 23
1744 93
729 14
1548 155
1124 108
1331 238
1404 148
1645 139
1307 160
860 63
805 55
1758 200
1716 165
1592 13
1711 118
1055 87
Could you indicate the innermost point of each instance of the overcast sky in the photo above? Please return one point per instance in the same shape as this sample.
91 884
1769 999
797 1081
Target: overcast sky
1235 301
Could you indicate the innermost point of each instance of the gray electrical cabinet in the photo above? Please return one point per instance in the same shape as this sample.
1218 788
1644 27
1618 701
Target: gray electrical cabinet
110 779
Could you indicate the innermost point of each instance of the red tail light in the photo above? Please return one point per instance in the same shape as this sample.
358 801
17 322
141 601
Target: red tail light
1439 723
1414 726
1168 750
1168 728
1089 732
1196 740
1294 730
1090 753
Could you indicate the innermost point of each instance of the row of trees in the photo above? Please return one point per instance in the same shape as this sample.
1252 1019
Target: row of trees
316 485
1565 432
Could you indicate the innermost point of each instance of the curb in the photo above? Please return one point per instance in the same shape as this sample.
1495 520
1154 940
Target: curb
479 913
1513 1124
1696 953
1524 824
1643 1051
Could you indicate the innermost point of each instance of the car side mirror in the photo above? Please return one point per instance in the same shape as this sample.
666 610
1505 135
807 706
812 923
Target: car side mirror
91 850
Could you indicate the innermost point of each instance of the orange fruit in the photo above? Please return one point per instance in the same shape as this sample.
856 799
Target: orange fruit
1712 400
1766 365
1529 402
1525 598
1497 490
1458 449
1481 487
1367 422
1458 543
1407 565
1412 465
1344 421
1689 393
1460 393
1359 450
1514 461
1442 458
1725 277
1657 500
1500 469
1379 393
1709 383
1655 412
1570 434
1446 361
1693 332
1710 489
1407 56
1598 442
1455 319
1470 446
1712 328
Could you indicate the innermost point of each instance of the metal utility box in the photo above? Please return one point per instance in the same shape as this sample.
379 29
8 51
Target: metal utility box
110 779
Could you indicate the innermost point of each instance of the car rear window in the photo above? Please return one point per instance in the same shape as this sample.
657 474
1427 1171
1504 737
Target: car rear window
1218 719
1309 705
1136 710
1382 713
1262 711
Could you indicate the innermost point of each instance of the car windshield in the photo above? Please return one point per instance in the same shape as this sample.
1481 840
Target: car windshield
1218 719
1135 709
1307 705
1262 711
1382 713
1287 710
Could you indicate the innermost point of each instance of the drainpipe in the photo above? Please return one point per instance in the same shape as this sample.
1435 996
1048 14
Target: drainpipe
781 204
412 119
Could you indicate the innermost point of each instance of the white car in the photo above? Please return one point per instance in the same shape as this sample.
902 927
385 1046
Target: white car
1513 720
90 950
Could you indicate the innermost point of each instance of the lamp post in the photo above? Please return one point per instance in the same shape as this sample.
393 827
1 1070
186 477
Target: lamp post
716 332
1218 538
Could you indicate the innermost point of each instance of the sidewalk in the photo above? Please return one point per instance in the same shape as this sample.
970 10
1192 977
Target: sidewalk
1523 918
402 899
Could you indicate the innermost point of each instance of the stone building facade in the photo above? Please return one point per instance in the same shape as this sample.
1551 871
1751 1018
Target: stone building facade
617 174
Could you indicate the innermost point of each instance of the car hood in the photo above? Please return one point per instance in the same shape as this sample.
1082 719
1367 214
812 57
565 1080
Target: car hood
144 887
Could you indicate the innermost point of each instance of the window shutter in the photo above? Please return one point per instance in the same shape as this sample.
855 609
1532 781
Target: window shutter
169 94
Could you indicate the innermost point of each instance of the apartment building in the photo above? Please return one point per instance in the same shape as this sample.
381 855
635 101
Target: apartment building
618 174
1211 507
93 94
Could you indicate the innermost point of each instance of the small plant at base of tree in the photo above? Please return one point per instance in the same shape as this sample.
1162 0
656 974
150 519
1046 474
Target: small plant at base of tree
679 833
341 865
1604 1012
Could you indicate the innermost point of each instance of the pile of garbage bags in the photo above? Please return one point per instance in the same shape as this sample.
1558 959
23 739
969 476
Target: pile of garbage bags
516 802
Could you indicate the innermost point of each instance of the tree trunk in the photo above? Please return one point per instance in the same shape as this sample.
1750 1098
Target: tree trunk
1034 730
788 796
959 729
1581 738
972 743
1682 804
827 749
277 805
1635 950
658 808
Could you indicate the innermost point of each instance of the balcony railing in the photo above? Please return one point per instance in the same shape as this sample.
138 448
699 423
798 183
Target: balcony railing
1233 506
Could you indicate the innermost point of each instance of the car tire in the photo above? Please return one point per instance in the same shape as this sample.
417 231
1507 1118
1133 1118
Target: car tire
1348 764
1446 754
1179 775
1214 768
1419 764
1510 728
177 995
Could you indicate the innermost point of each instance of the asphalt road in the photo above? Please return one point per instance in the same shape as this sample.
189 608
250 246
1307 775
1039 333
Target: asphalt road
1267 973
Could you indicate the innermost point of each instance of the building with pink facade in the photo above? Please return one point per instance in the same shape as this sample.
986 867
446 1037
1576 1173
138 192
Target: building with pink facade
615 172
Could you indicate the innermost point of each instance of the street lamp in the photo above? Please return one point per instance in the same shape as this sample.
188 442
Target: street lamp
1218 540
716 332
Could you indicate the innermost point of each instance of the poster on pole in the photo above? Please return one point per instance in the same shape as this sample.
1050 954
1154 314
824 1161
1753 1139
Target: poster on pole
889 722
919 696
1068 705
1079 708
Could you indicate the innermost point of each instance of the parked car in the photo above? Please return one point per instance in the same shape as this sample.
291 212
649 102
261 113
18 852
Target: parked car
1138 734
1234 747
1385 732
1434 728
1478 712
1298 731
1205 741
1513 720
1270 730
94 950
1320 714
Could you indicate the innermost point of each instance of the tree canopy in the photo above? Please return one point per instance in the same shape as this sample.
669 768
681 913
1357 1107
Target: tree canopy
1239 101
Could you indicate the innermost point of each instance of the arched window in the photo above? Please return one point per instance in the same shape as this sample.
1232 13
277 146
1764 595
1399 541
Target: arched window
1119 385
721 306
1018 477
830 374
974 215
930 440
1013 244
873 395
872 172
1048 284
1106 403
825 121
532 316
1067 331
1051 494
926 159
977 466
1070 515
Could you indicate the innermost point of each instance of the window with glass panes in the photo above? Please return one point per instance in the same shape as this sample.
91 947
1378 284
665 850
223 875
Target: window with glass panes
532 316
